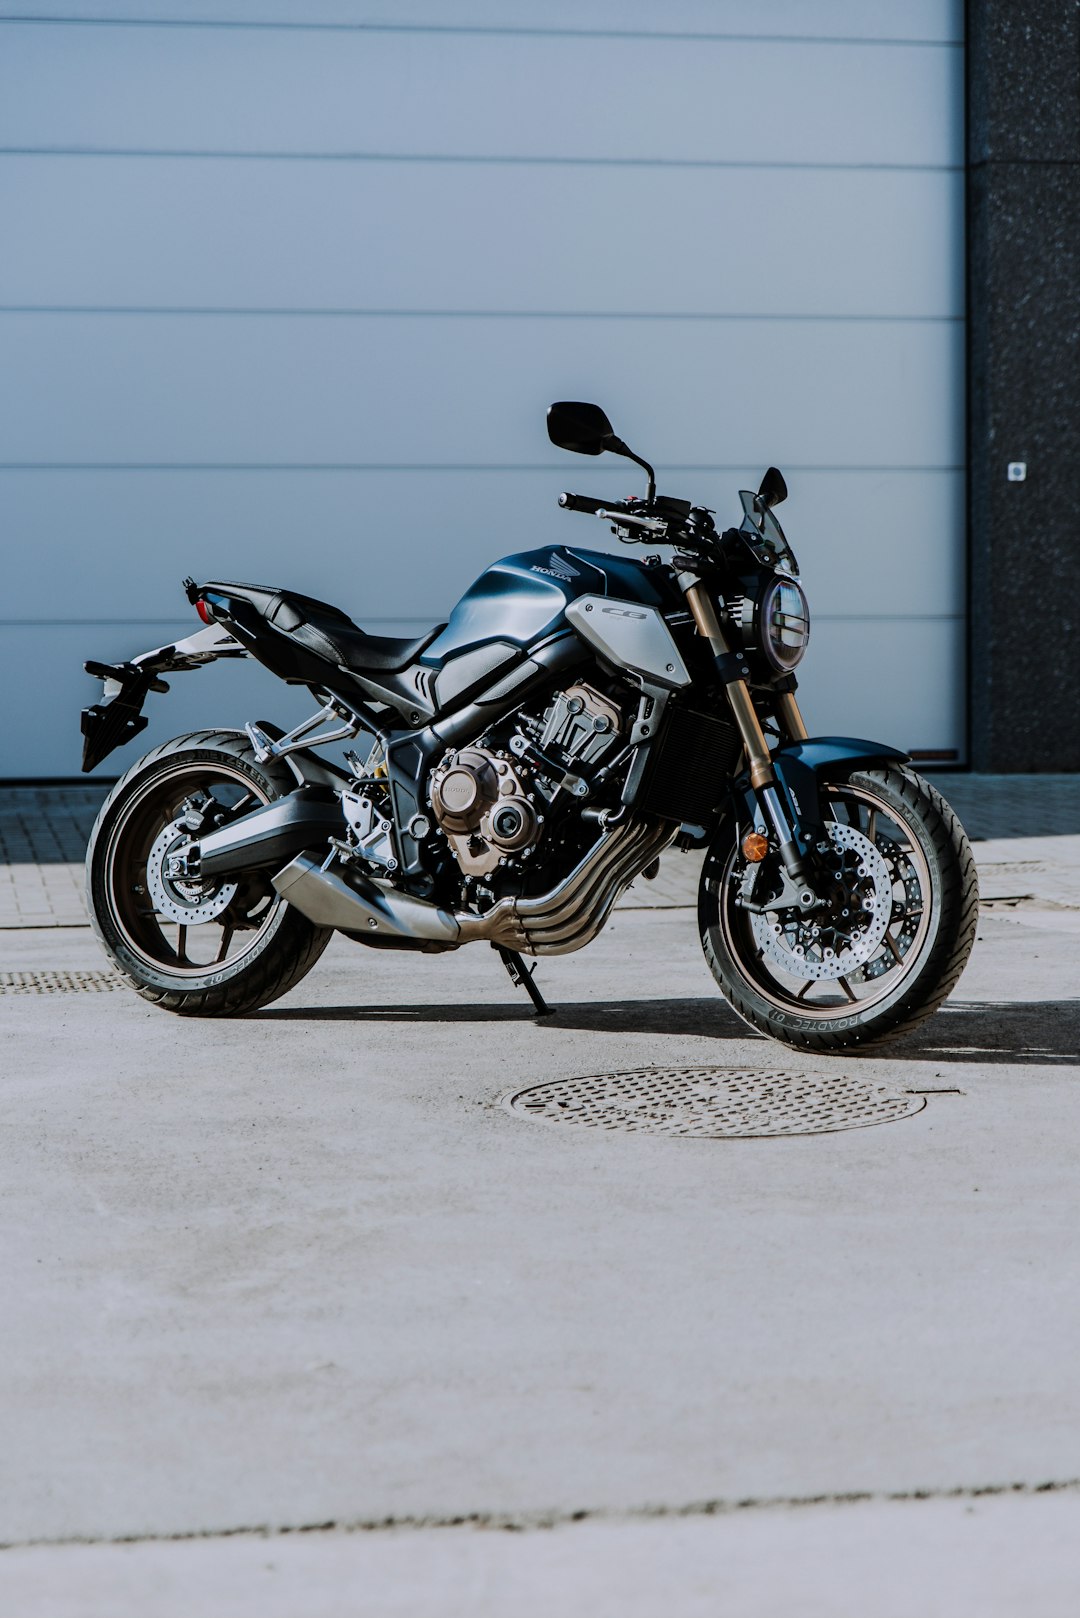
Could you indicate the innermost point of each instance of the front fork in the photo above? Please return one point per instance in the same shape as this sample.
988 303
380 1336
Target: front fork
733 673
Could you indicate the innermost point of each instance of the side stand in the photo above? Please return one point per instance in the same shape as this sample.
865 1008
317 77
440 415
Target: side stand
520 974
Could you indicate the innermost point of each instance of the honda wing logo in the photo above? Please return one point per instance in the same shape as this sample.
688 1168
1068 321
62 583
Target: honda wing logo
558 569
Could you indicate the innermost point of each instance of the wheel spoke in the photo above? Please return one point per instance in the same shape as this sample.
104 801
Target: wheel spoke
894 949
181 944
871 827
848 990
227 930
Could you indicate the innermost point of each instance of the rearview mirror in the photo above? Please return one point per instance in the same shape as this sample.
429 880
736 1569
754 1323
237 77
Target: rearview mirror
773 489
583 428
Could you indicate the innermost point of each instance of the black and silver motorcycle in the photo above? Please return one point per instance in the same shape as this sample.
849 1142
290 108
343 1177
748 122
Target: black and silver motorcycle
521 764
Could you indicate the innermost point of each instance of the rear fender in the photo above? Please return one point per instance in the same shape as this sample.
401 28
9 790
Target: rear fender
118 717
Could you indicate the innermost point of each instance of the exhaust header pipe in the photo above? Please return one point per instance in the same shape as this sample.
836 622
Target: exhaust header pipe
554 923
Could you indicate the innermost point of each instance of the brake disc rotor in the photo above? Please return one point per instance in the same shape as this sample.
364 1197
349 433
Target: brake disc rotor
183 899
831 943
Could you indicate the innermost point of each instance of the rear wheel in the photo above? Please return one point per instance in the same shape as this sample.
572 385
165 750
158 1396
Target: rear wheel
210 947
889 944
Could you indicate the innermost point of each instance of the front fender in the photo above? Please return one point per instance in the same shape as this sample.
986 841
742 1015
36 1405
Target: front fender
801 767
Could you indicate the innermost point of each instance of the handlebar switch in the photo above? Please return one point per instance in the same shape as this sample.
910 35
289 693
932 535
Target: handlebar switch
672 510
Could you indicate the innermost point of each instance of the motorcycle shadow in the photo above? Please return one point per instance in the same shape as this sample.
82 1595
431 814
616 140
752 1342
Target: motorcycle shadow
709 1019
1021 1033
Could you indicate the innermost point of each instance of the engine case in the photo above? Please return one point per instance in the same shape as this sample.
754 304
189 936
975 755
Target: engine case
481 800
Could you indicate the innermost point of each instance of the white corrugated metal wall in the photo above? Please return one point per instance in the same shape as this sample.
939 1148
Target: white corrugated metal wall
285 292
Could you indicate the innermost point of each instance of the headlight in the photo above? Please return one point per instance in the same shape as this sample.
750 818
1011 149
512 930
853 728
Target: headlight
783 622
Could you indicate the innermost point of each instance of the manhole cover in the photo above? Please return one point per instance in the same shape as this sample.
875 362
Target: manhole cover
717 1101
59 982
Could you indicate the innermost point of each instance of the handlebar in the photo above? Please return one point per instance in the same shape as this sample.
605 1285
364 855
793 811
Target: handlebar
618 511
679 525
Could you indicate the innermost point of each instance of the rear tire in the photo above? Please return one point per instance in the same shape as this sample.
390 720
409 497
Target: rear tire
933 903
126 889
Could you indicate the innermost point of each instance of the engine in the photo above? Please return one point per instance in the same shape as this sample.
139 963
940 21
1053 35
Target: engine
496 800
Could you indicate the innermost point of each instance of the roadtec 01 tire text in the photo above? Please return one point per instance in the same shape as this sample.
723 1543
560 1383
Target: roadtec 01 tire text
278 945
938 952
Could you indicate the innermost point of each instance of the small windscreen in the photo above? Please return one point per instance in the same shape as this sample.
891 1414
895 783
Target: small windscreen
764 534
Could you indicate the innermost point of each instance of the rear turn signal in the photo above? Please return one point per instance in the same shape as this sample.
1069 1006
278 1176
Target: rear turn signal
755 847
204 612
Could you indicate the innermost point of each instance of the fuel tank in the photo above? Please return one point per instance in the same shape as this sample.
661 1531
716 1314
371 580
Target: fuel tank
522 599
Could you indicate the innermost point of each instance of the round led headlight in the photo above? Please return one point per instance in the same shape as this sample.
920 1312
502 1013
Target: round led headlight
784 622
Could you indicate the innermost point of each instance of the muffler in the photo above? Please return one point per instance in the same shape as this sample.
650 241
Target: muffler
360 905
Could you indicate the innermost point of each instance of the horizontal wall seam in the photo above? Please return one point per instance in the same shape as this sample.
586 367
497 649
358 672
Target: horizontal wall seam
408 466
432 617
257 26
212 154
344 313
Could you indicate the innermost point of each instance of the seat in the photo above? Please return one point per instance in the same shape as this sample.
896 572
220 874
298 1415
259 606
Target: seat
326 630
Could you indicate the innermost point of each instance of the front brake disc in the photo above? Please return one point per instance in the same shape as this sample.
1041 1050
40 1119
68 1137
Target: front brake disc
816 944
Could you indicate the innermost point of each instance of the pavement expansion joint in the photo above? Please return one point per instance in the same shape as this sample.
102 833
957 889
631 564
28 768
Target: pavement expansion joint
522 1522
715 1102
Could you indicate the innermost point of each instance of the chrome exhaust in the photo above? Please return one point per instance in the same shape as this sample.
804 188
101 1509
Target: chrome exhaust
554 923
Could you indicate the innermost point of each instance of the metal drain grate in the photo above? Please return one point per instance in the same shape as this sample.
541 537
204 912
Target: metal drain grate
59 982
715 1101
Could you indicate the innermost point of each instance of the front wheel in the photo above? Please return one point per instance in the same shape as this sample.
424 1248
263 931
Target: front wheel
892 938
214 947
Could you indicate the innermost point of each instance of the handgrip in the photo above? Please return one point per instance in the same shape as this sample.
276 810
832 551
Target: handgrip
585 503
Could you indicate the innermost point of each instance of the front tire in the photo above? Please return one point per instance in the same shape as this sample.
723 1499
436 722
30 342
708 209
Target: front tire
894 941
216 948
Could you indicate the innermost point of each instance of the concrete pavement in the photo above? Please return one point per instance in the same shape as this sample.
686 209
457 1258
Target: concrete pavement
308 1269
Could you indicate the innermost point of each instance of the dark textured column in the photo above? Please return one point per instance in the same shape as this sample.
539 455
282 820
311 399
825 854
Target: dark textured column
1023 214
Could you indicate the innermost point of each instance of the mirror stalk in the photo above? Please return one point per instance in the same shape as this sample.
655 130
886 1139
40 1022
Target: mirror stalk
617 447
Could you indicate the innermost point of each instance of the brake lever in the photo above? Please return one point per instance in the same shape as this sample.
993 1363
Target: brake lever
652 525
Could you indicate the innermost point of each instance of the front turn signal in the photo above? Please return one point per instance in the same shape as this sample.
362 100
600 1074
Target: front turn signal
755 846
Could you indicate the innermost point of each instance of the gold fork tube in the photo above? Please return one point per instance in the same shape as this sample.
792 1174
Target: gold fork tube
791 717
738 695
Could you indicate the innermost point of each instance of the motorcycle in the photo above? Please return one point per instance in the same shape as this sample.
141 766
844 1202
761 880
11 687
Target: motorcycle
577 715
